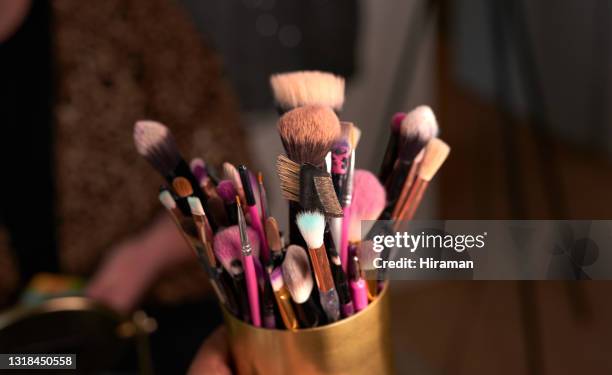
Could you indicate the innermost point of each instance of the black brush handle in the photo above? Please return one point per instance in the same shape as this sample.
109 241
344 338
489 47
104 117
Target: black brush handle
224 281
389 158
243 299
308 314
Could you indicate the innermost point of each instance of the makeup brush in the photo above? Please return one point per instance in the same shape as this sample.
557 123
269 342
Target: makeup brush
166 199
274 241
249 267
307 134
340 280
358 286
228 249
297 89
215 203
263 196
256 222
215 272
227 192
156 144
418 127
392 146
298 279
309 185
312 227
198 169
203 229
368 203
283 299
435 154
231 173
345 201
341 156
182 187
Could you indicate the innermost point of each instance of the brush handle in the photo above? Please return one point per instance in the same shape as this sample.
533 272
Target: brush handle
252 289
308 313
257 225
403 196
414 199
321 268
395 183
263 200
225 283
268 312
183 170
389 158
344 240
331 304
283 299
359 291
239 286
342 286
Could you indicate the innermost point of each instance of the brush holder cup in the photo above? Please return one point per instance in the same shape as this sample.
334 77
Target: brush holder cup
360 344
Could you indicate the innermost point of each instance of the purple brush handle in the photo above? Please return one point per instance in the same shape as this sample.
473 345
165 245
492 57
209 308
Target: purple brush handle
344 241
359 291
252 289
256 224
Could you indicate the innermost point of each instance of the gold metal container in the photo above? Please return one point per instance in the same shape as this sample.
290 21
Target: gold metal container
360 344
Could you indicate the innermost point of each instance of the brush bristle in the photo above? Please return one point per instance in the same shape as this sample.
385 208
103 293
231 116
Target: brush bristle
435 154
276 279
228 247
273 234
354 136
327 196
297 275
418 127
289 176
396 121
369 199
155 143
312 226
226 191
308 133
196 206
230 172
198 168
182 187
167 200
297 89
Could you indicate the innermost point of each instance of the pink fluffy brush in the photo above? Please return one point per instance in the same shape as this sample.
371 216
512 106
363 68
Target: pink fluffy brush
368 202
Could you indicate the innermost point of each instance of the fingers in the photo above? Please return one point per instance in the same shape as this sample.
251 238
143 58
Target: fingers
213 357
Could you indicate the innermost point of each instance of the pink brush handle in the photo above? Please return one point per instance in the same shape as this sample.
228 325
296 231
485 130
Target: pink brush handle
359 291
252 290
344 241
256 224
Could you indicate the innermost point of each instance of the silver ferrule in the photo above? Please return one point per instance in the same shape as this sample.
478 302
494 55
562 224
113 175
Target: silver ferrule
244 237
347 195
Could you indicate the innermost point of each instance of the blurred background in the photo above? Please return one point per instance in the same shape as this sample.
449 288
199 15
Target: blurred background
521 90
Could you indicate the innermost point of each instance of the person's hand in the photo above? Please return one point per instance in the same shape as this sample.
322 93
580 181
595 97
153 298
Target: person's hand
214 355
132 266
